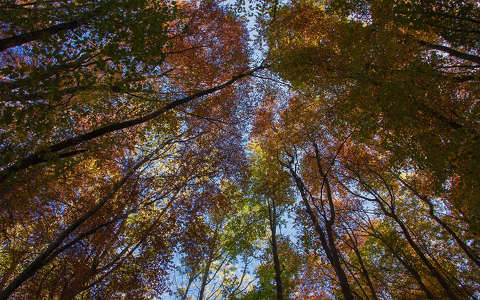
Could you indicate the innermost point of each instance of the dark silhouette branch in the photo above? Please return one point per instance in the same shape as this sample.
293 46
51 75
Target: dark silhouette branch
46 255
45 155
451 51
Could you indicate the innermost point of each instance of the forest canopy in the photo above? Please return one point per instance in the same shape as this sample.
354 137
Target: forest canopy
304 149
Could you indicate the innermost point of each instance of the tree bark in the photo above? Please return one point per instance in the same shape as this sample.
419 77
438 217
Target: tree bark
23 38
431 211
362 266
431 268
451 51
206 271
20 39
328 246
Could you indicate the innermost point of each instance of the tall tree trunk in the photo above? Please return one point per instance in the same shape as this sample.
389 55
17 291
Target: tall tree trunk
407 266
23 38
329 222
49 152
27 37
364 270
191 278
431 211
211 258
474 258
365 274
390 212
352 274
451 51
336 263
272 217
206 272
328 246
425 260
46 256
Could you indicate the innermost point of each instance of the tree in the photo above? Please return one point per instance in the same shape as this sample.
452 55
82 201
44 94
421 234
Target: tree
271 188
389 85
129 240
321 150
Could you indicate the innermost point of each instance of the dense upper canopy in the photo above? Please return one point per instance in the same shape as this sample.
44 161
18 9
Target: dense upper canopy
302 149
